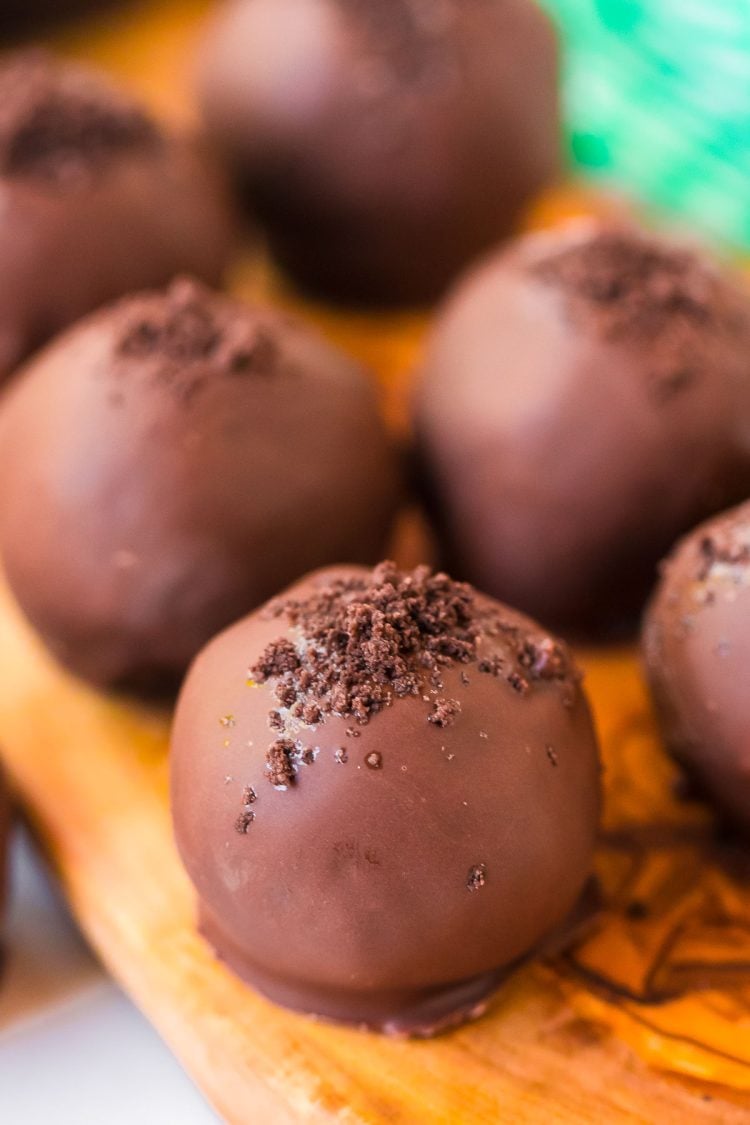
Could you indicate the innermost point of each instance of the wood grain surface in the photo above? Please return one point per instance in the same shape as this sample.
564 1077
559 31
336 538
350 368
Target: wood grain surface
646 1020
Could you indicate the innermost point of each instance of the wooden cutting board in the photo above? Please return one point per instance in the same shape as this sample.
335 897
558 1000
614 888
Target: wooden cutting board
647 1020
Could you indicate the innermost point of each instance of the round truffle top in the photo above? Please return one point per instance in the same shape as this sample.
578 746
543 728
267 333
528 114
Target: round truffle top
60 121
186 334
633 289
709 566
399 79
357 643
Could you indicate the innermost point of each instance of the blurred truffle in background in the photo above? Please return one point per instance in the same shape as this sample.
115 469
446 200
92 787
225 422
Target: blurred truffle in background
585 399
97 199
186 456
383 145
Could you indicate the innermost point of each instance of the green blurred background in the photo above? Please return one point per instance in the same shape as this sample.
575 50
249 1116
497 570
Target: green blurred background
657 103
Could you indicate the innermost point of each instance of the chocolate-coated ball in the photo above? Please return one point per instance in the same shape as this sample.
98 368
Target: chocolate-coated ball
385 790
697 653
585 400
384 144
172 461
96 200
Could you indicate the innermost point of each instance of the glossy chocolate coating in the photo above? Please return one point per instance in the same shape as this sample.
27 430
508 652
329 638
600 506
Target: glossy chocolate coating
696 642
584 401
172 461
95 201
397 877
383 145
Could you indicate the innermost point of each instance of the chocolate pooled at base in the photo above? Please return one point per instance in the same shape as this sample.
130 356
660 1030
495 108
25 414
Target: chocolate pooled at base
585 399
97 200
385 788
696 644
383 145
185 457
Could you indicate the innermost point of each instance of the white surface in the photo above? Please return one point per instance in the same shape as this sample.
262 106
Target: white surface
73 1049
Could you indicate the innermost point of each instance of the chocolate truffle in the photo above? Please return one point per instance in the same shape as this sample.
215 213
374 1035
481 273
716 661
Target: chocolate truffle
383 144
585 399
172 461
95 200
697 652
385 790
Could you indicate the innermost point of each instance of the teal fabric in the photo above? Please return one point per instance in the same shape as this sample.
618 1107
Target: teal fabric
657 101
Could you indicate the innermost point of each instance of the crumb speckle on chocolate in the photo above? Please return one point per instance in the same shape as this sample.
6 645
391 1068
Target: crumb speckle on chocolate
249 796
477 876
243 821
726 547
374 761
341 755
355 645
188 334
59 121
279 762
444 712
641 290
367 640
364 641
552 755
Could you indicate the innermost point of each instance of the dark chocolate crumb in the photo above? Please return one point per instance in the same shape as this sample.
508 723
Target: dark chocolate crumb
275 721
307 755
362 642
341 756
369 640
477 876
444 712
243 821
726 546
187 336
374 761
310 714
60 122
544 659
640 291
249 796
465 679
279 657
518 682
285 694
278 762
